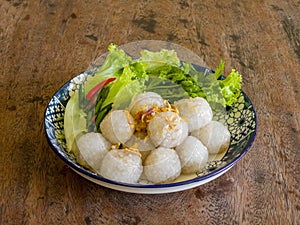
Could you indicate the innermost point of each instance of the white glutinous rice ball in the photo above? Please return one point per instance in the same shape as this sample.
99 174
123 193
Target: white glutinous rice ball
167 129
145 101
162 165
92 148
122 165
215 136
196 111
117 126
193 155
140 140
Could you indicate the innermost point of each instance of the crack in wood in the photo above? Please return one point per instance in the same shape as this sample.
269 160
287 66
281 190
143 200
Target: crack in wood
293 34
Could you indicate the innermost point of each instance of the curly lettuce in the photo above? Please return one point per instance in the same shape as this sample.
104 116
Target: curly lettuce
160 71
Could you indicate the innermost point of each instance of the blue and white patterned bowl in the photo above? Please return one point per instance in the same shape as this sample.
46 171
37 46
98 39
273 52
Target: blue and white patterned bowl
240 119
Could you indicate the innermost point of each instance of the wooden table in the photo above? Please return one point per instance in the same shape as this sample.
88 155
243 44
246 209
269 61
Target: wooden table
43 44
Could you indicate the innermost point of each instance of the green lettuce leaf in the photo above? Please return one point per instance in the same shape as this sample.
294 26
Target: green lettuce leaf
115 60
75 117
74 122
231 87
126 78
157 59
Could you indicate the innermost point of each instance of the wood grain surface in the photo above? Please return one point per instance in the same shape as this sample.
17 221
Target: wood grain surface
43 44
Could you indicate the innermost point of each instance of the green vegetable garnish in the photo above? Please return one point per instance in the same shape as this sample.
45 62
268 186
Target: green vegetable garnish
76 119
161 72
231 87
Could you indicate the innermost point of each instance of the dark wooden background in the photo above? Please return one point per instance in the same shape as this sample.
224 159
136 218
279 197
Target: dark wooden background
45 43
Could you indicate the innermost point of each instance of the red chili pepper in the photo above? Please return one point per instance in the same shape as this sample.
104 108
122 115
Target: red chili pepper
95 89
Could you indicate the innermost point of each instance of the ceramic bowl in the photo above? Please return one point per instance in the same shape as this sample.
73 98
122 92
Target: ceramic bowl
240 120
